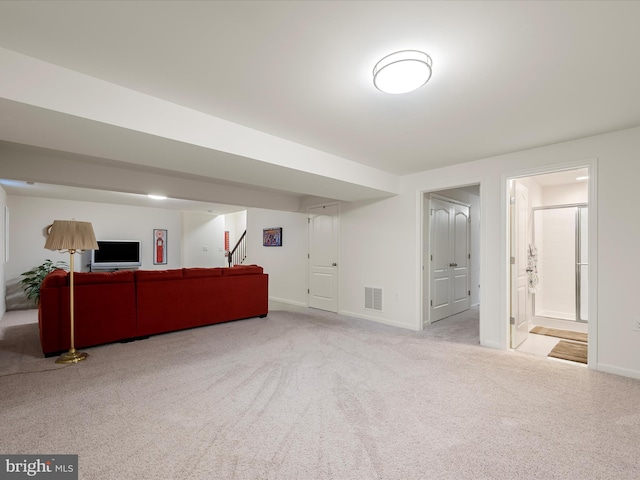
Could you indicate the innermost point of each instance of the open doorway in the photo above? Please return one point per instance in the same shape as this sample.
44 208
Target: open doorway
451 262
549 264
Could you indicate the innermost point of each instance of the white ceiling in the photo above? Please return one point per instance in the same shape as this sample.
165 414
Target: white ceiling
507 76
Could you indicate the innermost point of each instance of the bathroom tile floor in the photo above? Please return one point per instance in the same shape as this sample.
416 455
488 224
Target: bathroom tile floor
541 345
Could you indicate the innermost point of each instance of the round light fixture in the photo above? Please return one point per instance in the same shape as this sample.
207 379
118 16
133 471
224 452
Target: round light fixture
402 72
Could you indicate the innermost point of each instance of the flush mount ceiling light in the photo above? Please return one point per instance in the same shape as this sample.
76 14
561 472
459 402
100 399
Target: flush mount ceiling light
402 72
157 197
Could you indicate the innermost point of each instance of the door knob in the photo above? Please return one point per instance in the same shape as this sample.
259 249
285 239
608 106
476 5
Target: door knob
334 264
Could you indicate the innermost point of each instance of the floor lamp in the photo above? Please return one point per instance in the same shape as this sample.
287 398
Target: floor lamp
71 236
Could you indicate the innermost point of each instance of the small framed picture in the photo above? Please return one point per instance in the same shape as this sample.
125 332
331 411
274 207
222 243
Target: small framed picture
159 246
272 237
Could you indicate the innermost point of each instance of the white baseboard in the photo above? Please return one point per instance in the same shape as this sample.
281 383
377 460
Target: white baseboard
288 302
376 319
624 372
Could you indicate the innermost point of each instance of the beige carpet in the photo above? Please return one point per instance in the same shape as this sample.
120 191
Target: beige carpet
566 334
575 352
303 394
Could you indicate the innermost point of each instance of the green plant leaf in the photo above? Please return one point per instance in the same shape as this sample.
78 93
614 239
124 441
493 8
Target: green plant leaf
33 278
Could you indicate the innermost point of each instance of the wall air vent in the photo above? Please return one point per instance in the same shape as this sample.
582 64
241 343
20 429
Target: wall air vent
373 298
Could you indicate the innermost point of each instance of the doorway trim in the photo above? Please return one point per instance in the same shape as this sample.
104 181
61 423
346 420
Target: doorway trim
592 165
424 292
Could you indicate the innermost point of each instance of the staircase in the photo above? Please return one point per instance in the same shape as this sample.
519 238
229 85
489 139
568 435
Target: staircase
239 253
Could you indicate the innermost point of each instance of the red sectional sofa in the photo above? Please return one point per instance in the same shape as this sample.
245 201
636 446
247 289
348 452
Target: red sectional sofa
127 304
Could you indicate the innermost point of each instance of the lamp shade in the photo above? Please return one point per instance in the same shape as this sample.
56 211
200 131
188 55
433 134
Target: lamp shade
71 235
402 72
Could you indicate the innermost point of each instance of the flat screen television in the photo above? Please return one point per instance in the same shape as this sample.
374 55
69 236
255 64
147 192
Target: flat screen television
115 254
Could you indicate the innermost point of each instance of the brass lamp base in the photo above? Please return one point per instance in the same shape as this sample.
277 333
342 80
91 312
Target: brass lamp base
72 356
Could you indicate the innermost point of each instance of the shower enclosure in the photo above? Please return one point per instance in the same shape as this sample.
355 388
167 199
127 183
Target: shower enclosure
560 262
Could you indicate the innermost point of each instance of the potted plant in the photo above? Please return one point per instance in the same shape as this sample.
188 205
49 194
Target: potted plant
34 277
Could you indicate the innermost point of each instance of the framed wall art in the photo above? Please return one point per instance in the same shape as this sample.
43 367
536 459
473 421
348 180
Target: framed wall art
159 246
272 237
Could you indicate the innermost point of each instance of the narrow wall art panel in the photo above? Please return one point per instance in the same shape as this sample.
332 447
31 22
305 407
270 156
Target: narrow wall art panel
159 246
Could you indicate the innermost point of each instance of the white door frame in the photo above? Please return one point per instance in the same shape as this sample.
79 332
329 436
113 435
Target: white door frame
422 268
592 165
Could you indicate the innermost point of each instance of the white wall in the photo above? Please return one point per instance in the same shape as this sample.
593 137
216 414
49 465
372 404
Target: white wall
286 265
29 216
377 250
565 194
202 240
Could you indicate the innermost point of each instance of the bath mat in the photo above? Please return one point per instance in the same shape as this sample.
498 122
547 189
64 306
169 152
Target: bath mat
576 352
566 334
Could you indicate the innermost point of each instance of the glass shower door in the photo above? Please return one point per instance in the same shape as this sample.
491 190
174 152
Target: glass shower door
561 239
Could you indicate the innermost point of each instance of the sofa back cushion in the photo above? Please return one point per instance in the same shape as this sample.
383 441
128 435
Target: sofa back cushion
90 278
56 278
158 275
202 272
242 270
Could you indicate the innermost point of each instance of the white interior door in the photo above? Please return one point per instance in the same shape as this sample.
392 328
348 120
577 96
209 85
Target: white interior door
519 213
449 258
440 233
323 257
460 272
